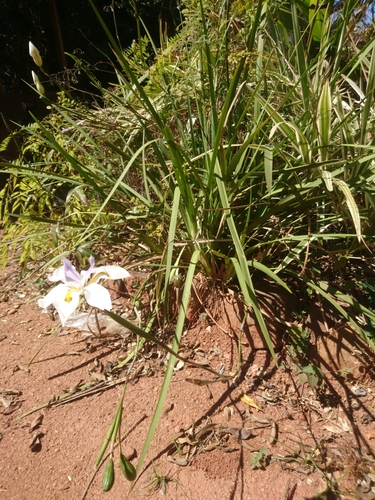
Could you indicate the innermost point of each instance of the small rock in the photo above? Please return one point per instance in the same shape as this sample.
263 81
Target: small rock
355 404
357 391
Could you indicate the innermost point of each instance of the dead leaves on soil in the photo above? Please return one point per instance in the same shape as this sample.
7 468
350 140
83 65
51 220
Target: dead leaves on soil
9 399
36 422
35 443
200 440
212 436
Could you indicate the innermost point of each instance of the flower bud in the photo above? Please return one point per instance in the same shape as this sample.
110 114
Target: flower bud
38 85
127 468
108 476
34 52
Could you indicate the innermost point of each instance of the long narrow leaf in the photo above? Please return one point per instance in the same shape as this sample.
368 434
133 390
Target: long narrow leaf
171 363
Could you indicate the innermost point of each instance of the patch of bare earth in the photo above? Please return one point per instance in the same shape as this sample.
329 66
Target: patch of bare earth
209 444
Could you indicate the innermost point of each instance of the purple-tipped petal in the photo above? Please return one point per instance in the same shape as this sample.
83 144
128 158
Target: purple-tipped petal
86 274
71 275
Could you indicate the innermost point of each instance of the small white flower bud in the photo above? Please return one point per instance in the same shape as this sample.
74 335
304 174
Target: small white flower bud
38 85
34 52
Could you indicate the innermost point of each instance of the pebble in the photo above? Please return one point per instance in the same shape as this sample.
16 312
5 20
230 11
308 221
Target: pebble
354 404
359 392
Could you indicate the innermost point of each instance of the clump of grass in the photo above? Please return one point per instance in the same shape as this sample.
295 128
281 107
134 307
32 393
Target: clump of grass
236 154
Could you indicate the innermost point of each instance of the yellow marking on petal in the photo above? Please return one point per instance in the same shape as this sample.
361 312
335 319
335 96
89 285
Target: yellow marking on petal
98 276
68 297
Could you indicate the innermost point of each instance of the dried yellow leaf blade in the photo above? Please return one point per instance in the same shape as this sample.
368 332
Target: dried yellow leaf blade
352 205
248 401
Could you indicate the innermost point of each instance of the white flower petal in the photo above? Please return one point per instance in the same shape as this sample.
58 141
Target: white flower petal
98 296
57 275
51 296
109 273
64 298
66 302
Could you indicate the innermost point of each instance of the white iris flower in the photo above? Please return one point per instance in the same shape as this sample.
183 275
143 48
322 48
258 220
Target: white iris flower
65 296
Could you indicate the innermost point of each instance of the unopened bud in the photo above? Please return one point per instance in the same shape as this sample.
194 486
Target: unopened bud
34 52
38 85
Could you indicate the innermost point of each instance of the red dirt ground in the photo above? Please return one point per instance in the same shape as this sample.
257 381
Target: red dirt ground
324 435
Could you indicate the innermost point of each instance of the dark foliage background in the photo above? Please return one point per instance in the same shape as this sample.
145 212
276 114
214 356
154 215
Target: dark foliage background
81 34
